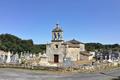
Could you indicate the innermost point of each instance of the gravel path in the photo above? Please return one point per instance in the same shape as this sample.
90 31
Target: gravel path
17 74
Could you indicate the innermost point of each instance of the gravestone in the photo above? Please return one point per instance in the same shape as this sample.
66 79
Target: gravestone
15 58
34 56
110 58
8 58
21 54
4 57
31 55
67 62
43 60
39 54
1 58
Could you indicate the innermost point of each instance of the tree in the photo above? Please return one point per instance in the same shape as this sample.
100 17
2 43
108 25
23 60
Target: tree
14 44
99 46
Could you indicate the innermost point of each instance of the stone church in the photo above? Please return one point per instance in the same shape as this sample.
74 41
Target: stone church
59 50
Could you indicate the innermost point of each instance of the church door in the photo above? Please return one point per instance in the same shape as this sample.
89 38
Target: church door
56 58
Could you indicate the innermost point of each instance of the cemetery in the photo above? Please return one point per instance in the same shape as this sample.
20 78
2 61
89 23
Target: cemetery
58 55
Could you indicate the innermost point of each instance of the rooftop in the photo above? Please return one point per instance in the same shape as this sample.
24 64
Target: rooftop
72 43
57 29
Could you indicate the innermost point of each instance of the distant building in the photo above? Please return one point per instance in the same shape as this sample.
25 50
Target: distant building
59 50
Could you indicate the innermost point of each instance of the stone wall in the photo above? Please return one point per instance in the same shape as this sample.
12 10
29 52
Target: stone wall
51 50
82 47
73 53
62 50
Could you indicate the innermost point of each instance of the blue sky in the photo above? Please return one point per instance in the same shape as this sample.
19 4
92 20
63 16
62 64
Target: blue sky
84 20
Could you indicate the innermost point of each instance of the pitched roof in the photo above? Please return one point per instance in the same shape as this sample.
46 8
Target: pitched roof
85 53
73 41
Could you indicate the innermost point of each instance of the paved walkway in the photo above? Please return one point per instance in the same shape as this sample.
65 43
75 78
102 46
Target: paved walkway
18 74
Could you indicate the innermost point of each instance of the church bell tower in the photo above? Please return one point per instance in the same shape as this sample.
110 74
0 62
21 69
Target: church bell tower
57 34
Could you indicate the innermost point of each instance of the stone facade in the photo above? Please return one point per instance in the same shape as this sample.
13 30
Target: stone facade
51 51
58 49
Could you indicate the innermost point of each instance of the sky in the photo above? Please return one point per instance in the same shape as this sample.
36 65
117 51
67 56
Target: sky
83 20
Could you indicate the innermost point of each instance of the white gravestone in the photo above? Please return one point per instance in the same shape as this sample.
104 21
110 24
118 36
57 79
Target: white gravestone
8 58
44 60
